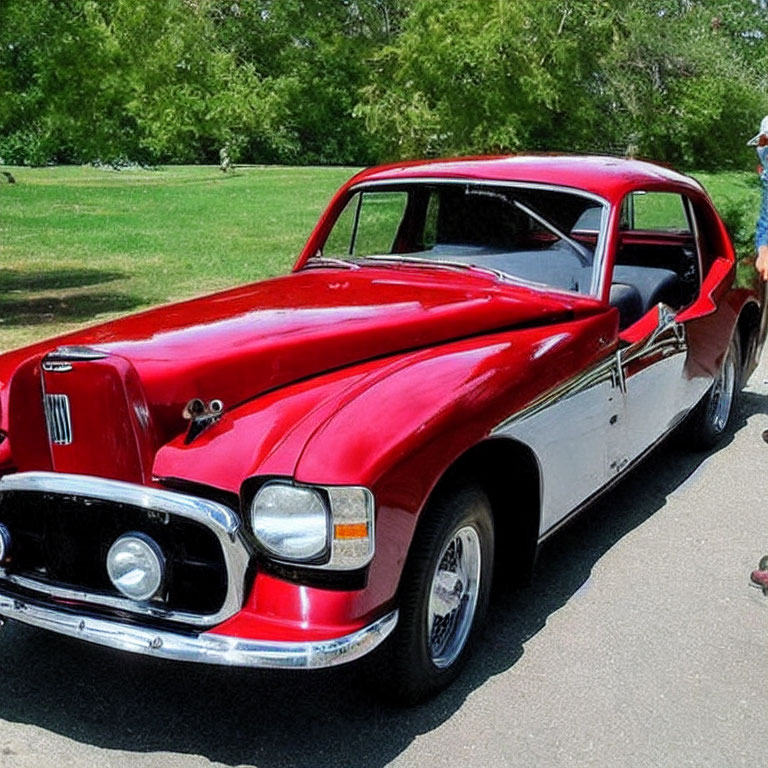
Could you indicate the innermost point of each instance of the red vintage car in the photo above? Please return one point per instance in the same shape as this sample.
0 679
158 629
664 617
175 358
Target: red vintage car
297 472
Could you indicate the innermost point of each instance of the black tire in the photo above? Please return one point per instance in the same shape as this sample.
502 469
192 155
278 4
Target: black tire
454 532
712 417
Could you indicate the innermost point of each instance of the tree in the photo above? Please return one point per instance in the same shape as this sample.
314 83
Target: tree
119 79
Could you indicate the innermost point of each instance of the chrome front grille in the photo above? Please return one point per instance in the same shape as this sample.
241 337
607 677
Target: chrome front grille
58 419
62 526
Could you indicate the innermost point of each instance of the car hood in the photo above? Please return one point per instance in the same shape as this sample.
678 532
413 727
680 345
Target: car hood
238 344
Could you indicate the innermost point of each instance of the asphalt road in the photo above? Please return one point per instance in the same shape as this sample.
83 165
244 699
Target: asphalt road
640 643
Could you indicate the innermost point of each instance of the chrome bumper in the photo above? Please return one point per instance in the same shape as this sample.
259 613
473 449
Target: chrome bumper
205 648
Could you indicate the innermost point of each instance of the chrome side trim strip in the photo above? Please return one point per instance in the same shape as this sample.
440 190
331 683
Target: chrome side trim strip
206 648
221 520
669 337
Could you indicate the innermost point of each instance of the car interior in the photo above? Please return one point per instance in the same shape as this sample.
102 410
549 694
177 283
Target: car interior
656 260
539 235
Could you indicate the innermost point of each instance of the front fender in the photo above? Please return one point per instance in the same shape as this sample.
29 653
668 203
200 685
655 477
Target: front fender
394 425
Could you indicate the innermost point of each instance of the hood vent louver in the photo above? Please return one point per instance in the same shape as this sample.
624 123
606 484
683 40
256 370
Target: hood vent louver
58 419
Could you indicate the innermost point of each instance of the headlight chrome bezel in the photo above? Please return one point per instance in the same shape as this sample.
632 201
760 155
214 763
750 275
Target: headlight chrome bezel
350 533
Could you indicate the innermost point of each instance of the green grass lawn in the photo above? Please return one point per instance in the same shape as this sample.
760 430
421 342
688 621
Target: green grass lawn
79 245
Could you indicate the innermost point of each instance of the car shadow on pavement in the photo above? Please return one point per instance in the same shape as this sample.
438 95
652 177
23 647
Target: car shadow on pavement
100 697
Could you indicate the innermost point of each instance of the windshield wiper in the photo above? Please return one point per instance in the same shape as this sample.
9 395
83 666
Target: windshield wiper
447 263
328 261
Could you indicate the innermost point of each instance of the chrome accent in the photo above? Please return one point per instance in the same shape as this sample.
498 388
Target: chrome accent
453 596
333 563
464 180
74 353
207 648
618 379
721 397
54 367
592 428
601 372
5 542
201 416
58 419
568 429
694 225
221 520
193 409
599 492
667 338
600 262
659 390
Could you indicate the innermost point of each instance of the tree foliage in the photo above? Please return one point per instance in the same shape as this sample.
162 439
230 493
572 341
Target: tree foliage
356 81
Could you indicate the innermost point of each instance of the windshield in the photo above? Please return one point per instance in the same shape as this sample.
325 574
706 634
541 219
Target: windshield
538 235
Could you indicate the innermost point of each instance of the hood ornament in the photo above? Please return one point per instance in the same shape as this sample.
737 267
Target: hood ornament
200 416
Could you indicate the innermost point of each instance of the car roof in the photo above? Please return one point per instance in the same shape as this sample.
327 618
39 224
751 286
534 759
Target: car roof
603 175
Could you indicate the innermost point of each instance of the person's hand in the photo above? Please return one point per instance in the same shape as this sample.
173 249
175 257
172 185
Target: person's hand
761 265
759 170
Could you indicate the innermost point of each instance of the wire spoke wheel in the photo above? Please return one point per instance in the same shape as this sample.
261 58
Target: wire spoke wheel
444 595
707 424
721 397
453 597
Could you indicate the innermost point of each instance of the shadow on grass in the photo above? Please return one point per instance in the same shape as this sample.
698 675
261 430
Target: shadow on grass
13 280
53 309
120 702
21 304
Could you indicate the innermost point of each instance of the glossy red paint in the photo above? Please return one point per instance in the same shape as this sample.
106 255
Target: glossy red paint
240 343
376 376
279 610
360 429
107 403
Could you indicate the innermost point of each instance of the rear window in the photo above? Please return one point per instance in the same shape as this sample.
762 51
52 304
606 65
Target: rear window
655 212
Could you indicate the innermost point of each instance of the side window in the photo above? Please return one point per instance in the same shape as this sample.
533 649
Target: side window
368 225
378 222
655 212
339 242
589 221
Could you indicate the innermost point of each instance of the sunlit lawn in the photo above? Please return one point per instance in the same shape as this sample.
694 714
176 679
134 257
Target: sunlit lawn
79 245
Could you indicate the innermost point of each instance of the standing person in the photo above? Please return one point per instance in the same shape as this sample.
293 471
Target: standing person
761 233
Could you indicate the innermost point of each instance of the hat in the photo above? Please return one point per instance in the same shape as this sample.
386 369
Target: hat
763 129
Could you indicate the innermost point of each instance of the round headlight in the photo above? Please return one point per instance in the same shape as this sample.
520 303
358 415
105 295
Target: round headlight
5 542
291 523
136 566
